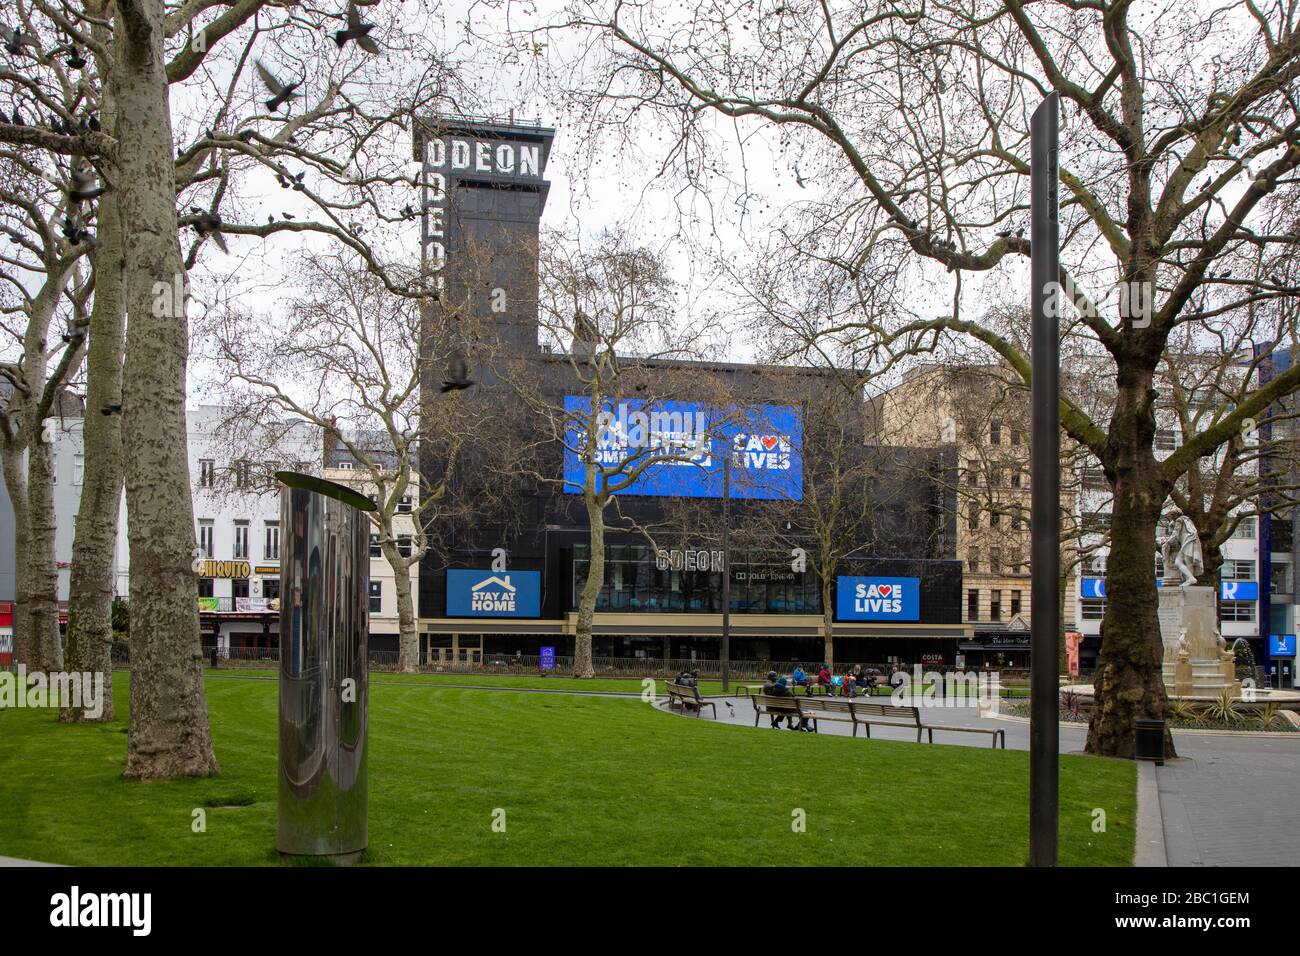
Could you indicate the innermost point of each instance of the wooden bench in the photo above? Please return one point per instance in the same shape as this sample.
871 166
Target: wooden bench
774 706
827 708
687 697
896 715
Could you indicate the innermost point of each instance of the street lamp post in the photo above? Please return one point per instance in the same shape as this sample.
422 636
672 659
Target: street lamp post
1045 494
726 572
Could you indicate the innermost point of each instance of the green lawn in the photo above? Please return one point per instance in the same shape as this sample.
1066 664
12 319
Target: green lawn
582 780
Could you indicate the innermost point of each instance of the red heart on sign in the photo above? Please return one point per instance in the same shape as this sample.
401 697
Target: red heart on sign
885 590
769 442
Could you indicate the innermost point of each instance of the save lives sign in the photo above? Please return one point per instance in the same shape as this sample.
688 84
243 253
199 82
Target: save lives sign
878 599
494 593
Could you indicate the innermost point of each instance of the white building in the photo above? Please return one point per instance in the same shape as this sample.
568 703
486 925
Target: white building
343 468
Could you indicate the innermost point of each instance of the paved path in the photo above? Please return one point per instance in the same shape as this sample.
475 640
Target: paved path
14 861
1225 801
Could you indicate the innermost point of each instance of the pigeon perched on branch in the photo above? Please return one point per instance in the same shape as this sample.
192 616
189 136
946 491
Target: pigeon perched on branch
75 231
15 39
83 184
209 224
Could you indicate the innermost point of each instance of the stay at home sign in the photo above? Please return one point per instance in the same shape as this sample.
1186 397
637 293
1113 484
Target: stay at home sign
878 599
493 594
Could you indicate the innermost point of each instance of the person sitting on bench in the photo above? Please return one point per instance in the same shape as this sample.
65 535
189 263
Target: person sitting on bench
800 679
824 678
776 687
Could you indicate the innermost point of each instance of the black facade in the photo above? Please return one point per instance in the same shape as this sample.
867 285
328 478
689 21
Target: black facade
486 222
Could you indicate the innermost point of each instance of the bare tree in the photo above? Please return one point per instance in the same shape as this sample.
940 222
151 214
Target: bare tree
1178 130
611 311
42 302
347 360
342 155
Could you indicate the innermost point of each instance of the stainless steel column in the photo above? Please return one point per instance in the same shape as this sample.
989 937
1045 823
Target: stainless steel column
324 626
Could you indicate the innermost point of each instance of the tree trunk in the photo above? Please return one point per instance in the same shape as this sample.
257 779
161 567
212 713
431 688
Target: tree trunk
168 733
582 665
29 483
90 596
42 575
408 640
828 626
1128 685
15 475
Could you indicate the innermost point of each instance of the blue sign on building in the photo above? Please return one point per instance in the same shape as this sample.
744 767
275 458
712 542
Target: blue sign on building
765 443
494 593
1281 645
877 599
1240 590
547 662
1229 590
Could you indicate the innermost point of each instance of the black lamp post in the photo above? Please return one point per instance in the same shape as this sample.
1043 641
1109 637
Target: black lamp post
726 571
1045 495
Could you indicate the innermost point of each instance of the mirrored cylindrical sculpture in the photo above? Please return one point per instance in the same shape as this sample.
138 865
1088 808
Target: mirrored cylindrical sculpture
324 582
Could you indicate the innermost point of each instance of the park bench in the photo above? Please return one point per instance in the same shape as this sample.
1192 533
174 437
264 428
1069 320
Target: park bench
774 706
827 708
895 715
687 697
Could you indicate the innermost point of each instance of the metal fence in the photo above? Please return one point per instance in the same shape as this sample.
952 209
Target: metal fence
630 667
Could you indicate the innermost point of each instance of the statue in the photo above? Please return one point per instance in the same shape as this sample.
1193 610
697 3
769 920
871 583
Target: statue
1181 550
1182 644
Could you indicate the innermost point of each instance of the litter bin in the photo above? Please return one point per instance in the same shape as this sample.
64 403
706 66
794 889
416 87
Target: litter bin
1149 740
324 625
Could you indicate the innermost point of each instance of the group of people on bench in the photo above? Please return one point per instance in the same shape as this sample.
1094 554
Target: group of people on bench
852 684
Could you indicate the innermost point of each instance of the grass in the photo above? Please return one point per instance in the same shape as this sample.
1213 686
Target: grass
582 780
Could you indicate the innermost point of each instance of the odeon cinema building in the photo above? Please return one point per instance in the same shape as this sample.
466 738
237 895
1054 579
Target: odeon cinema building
742 514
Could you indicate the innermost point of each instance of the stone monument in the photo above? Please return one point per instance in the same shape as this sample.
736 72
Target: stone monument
1196 660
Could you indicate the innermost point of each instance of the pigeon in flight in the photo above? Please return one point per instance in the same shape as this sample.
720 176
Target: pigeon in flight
457 374
209 224
281 93
15 39
356 31
83 183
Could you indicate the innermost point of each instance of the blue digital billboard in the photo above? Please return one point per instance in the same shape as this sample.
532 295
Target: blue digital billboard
1281 645
494 593
680 449
877 599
